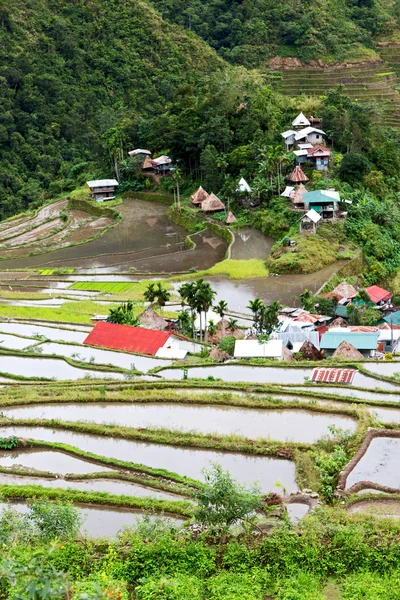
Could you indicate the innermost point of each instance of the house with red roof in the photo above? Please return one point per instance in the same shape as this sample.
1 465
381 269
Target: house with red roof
319 156
163 344
378 295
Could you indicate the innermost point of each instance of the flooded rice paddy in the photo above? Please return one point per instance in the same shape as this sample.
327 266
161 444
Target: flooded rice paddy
251 243
384 508
380 464
13 342
185 461
110 486
50 368
104 357
283 425
103 522
389 368
296 511
351 392
49 460
63 334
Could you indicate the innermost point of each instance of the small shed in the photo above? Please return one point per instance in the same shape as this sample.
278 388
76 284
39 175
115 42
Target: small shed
297 197
103 189
311 352
288 137
309 221
297 176
230 218
343 291
338 322
212 204
198 196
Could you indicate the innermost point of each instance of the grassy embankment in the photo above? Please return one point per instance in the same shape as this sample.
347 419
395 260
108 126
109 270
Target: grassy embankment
312 251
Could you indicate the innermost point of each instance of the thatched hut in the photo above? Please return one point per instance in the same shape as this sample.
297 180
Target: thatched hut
338 322
212 204
198 196
286 354
344 290
151 320
297 196
310 352
219 355
297 175
345 350
222 330
230 218
147 163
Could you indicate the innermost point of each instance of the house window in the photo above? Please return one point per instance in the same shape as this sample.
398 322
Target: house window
317 136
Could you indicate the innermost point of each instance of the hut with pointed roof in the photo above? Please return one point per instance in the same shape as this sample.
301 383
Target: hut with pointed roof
345 350
338 322
230 218
343 291
297 197
297 175
151 320
198 196
310 352
212 204
301 121
219 355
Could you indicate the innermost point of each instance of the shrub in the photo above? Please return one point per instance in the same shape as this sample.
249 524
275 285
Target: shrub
179 587
233 586
227 344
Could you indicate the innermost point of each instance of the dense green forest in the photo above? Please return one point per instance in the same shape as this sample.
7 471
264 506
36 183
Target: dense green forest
251 31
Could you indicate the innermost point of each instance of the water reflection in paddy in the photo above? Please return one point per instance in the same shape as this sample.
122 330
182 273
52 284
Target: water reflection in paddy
51 333
103 522
241 373
379 464
50 368
185 461
105 357
48 460
110 486
284 425
351 392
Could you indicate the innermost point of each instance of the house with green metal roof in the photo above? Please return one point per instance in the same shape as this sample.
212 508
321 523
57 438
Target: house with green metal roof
393 318
324 202
366 343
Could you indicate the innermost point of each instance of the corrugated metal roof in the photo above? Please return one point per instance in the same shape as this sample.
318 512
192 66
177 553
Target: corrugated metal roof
124 337
102 183
393 318
378 294
361 341
325 375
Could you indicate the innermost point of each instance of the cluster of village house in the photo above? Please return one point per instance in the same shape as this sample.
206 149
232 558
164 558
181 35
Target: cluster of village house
314 336
306 140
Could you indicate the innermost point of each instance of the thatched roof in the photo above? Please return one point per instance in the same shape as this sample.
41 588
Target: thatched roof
338 322
223 331
230 218
347 350
219 355
151 320
297 175
310 352
286 354
344 290
198 196
212 203
297 196
147 163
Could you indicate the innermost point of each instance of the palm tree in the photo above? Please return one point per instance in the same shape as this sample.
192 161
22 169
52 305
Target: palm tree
204 296
256 306
211 329
187 292
221 309
150 293
232 325
162 295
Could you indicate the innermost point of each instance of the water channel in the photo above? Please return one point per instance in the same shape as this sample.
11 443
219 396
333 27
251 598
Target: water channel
185 461
283 425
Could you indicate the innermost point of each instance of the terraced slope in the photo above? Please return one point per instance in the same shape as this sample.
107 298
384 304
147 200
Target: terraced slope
376 82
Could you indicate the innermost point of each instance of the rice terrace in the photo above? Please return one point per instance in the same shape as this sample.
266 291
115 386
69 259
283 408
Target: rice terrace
199 300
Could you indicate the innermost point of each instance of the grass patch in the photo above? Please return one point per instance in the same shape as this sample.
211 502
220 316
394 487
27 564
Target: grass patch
234 269
79 312
59 271
312 251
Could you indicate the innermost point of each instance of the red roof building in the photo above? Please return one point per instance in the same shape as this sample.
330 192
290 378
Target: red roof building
125 337
318 151
329 375
377 294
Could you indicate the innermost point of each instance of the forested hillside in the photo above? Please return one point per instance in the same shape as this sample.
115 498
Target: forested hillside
76 80
251 31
